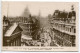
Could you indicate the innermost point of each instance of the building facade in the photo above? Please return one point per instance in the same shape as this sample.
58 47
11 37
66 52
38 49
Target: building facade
29 25
64 27
11 34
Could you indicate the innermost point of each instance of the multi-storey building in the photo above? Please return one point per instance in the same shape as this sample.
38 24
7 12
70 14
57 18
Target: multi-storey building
30 29
64 27
11 33
29 25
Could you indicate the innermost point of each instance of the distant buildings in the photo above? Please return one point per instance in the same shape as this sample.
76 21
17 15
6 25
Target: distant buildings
64 27
29 25
11 33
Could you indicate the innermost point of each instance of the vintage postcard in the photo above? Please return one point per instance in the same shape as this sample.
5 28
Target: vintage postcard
39 26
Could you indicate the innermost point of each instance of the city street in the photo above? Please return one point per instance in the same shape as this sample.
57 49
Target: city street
46 34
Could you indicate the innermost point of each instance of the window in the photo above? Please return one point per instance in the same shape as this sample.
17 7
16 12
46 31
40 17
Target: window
74 31
66 29
70 29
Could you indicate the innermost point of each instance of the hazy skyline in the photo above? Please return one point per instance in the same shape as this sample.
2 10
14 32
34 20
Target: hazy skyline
45 8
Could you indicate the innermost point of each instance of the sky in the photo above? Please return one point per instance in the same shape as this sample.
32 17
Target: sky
45 8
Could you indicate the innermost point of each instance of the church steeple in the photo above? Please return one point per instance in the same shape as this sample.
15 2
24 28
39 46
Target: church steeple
39 13
7 10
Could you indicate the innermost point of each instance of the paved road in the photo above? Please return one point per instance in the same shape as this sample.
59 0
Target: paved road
46 32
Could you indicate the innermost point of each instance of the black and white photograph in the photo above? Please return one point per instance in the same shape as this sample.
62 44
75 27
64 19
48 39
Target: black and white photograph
39 24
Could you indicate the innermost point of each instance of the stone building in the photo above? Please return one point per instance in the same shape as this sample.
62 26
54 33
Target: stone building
30 28
11 33
64 27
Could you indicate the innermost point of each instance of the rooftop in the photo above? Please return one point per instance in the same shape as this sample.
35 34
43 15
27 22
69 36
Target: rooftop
10 30
26 37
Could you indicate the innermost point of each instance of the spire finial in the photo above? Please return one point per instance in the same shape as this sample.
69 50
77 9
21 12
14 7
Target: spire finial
39 12
7 10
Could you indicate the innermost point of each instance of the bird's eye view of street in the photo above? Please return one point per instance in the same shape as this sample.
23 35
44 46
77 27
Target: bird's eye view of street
39 24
